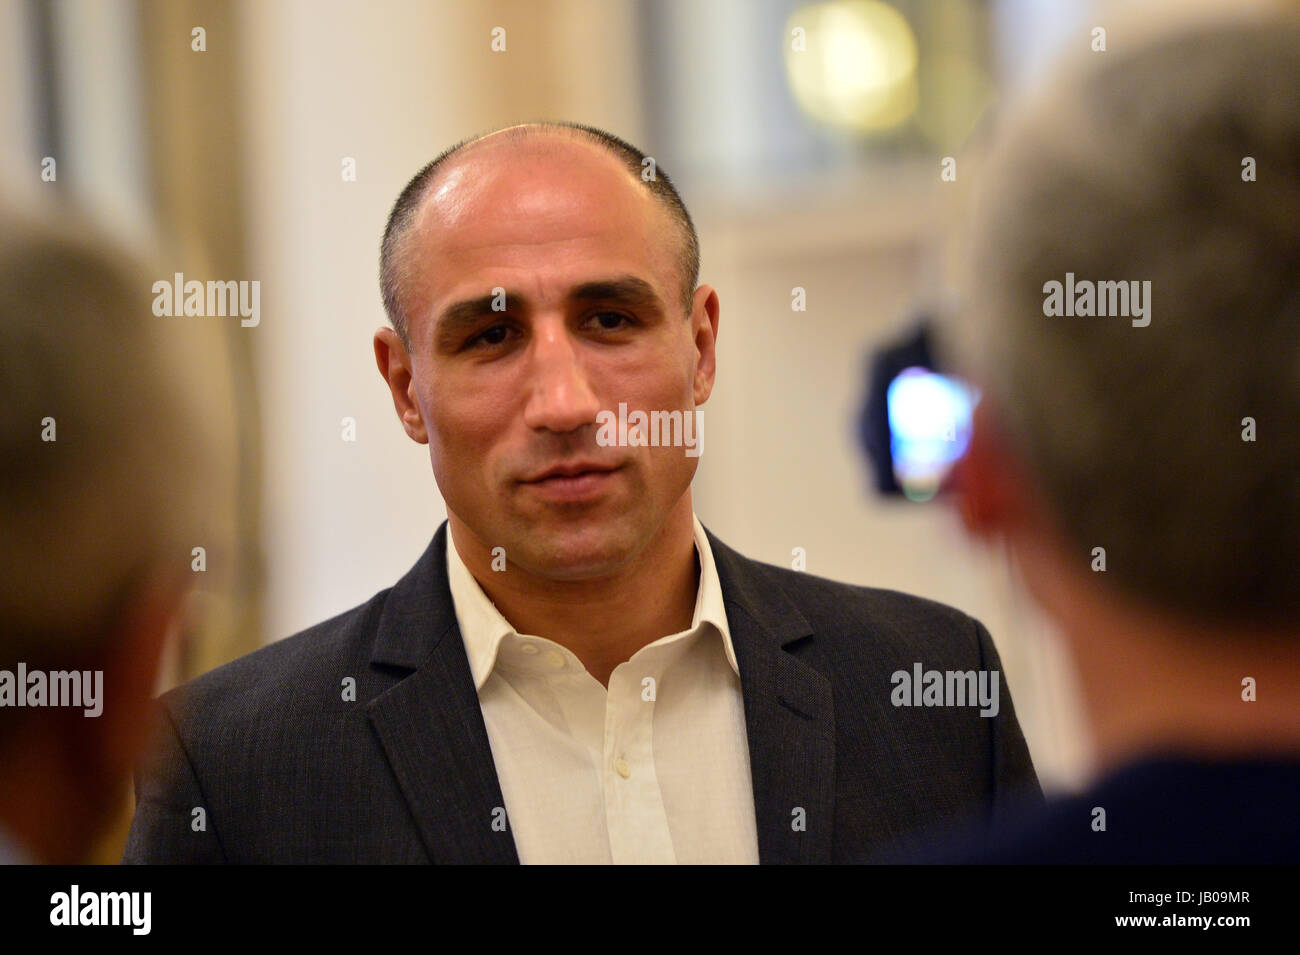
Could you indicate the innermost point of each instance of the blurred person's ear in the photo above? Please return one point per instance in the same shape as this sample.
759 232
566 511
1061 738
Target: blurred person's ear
990 492
72 765
107 748
131 660
1001 505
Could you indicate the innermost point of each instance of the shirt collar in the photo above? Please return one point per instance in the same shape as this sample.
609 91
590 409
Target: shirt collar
483 628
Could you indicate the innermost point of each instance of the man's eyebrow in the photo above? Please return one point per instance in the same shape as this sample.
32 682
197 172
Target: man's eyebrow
465 314
627 289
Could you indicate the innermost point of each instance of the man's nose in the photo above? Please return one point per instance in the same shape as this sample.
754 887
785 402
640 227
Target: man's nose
560 398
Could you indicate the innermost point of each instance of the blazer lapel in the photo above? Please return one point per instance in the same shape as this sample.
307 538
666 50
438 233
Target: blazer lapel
430 724
789 715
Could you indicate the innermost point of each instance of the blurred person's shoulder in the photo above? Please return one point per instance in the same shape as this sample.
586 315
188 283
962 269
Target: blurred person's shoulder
1161 810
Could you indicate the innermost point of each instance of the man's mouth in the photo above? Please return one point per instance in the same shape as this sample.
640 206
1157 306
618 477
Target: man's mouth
574 482
572 469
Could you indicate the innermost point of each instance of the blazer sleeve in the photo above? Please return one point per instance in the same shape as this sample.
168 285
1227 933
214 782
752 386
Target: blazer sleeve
167 790
1015 783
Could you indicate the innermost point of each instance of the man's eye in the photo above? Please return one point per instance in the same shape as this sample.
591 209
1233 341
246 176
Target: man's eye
496 335
611 321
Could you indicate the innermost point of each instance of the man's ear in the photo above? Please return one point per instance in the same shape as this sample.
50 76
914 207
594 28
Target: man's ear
989 492
395 365
704 328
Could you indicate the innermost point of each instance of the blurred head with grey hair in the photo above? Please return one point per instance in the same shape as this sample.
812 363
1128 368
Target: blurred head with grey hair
104 457
1132 316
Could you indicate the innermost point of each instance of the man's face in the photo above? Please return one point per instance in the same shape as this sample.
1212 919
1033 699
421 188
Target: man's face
592 317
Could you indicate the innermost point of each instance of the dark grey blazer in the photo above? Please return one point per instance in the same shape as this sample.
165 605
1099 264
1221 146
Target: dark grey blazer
286 770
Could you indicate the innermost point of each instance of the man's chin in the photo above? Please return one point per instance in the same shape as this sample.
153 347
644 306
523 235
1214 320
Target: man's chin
576 552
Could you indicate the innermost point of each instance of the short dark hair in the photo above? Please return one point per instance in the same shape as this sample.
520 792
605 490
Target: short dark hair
1133 166
408 204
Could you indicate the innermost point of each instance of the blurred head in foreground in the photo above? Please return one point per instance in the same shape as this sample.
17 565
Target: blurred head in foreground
1132 317
102 459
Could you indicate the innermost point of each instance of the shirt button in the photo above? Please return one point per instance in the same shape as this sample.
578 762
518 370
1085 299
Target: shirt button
528 648
555 658
622 767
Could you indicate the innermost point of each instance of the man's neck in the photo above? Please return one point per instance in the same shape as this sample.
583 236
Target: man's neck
605 620
1153 685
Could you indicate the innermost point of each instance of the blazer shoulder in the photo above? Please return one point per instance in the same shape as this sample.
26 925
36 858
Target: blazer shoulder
810 592
276 674
850 613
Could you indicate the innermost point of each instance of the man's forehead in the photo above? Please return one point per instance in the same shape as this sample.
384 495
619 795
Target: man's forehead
532 203
503 174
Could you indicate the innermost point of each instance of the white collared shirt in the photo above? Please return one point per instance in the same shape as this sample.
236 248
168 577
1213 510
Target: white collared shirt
653 770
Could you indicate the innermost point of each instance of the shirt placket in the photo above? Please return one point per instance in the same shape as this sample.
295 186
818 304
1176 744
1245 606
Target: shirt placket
634 809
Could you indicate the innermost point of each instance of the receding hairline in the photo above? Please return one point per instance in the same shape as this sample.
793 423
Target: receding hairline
533 133
410 207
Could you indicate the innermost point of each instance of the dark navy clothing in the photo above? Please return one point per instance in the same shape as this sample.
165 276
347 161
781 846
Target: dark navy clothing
1159 811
